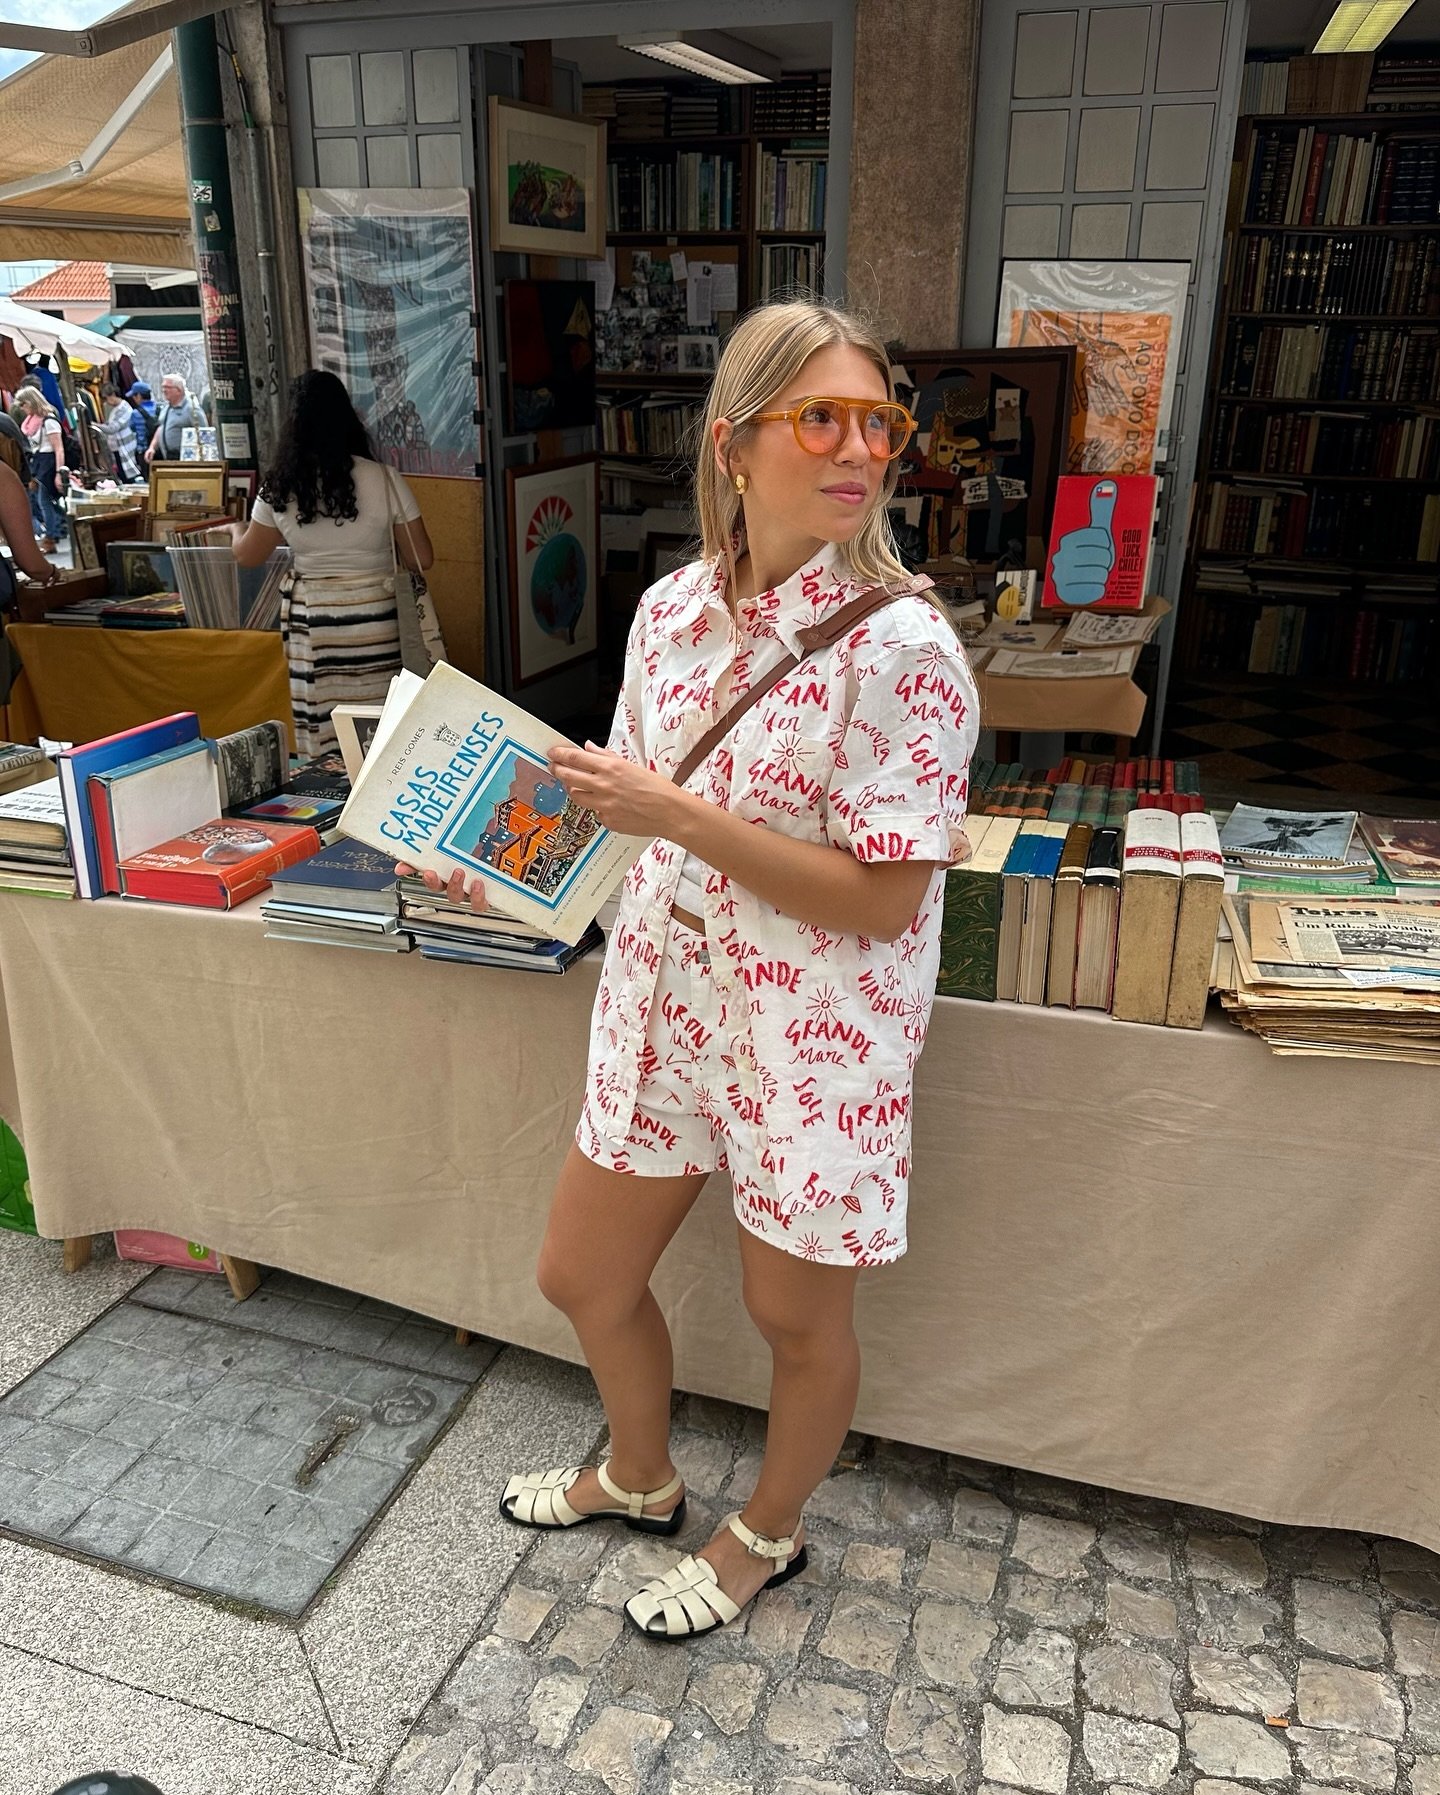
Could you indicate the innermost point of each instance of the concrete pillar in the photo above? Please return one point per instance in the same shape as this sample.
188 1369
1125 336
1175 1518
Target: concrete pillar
914 104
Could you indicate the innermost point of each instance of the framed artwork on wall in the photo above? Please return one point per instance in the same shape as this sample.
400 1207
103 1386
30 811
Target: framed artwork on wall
1124 320
978 479
547 181
550 354
554 512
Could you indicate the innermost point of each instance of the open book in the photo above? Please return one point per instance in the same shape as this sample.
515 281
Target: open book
457 776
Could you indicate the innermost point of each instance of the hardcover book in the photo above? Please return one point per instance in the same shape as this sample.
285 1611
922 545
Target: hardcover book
463 781
1149 899
1099 913
252 763
76 765
218 865
1065 916
344 875
1202 886
971 916
134 806
297 807
1100 542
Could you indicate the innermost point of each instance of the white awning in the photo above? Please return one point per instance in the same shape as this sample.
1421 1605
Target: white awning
37 333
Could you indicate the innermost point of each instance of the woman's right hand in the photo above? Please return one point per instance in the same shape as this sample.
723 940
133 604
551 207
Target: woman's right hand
457 890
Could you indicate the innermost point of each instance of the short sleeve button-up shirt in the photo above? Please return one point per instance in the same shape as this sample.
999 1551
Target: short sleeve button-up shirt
865 747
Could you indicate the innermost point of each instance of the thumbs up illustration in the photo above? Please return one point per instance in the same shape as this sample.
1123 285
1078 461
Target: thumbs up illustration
1084 558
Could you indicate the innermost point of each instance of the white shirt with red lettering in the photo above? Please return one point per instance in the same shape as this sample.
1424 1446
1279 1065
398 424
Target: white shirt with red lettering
865 747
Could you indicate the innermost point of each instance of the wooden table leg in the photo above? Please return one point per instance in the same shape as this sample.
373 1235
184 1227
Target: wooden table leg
463 1336
78 1248
243 1276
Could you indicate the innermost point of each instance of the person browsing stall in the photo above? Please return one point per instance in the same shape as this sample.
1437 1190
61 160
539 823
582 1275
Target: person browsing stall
768 983
349 520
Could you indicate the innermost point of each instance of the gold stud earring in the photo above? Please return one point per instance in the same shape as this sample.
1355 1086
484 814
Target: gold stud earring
742 485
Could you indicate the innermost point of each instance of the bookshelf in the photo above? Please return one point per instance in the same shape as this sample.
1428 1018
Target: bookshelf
731 176
1315 538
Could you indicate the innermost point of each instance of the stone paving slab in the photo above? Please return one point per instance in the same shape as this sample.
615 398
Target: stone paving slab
184 1447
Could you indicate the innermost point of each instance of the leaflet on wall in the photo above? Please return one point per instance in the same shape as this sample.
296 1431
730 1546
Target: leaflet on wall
1125 321
463 781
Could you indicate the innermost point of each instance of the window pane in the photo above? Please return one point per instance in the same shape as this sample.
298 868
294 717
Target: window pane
332 92
337 162
439 156
389 161
437 87
382 87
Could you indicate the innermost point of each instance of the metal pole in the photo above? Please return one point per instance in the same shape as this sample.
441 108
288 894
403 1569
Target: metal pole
212 215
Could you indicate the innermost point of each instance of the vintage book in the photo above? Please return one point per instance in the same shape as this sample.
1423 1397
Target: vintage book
253 763
344 875
34 818
297 807
544 956
76 765
1202 886
1100 542
22 765
1039 892
354 729
1018 862
464 782
278 928
150 800
1099 915
1065 916
324 777
1407 849
218 865
1149 899
970 929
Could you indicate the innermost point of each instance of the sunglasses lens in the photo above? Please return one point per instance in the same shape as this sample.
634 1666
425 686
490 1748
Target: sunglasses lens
820 426
887 430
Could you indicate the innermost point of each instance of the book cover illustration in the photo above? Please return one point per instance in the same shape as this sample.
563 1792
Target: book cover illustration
1100 542
1287 834
253 763
297 807
462 780
1408 848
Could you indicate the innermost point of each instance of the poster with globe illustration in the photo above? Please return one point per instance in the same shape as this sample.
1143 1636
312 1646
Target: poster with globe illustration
554 565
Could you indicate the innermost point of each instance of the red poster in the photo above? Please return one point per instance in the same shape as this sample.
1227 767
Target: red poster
1100 542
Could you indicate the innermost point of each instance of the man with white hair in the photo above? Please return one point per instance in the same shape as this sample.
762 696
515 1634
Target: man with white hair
179 411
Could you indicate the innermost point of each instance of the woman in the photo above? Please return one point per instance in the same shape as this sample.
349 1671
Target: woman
118 430
17 536
47 454
768 983
348 519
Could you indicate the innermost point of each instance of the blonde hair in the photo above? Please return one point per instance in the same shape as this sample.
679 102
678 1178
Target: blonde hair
765 351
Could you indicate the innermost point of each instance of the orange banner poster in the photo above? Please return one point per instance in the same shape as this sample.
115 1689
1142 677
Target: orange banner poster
1119 382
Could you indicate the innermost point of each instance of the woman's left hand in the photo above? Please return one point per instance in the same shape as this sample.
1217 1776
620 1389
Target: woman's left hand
630 800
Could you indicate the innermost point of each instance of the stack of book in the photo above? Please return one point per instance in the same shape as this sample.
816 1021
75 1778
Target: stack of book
446 931
1088 887
34 847
344 896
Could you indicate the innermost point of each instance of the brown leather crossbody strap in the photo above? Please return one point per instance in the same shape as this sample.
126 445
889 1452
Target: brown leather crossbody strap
822 634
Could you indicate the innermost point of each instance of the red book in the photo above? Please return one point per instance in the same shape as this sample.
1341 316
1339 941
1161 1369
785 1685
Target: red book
1312 179
1100 542
218 865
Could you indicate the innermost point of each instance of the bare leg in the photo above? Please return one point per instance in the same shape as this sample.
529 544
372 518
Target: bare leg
605 1236
806 1314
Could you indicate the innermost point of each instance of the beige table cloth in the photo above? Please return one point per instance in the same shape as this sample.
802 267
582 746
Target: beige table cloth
1151 1259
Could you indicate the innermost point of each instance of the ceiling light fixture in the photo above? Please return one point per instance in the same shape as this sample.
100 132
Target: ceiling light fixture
713 54
1361 25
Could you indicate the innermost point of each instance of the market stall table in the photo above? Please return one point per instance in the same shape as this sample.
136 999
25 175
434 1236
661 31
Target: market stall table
1150 1259
81 682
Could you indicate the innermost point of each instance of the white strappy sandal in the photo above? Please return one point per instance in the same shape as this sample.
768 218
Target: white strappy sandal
687 1601
537 1499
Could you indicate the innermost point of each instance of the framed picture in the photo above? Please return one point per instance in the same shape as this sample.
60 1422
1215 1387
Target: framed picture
355 726
242 483
550 353
554 511
1124 320
139 569
547 181
666 553
977 481
698 354
187 486
199 442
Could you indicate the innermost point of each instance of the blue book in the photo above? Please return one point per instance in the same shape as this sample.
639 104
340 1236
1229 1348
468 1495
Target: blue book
346 875
76 765
1046 858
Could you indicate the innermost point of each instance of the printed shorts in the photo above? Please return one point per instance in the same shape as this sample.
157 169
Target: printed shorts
691 1115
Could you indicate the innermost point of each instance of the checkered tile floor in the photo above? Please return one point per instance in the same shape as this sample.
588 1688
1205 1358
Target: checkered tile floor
1387 744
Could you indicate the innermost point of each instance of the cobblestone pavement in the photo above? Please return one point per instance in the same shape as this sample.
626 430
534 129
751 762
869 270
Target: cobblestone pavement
961 1627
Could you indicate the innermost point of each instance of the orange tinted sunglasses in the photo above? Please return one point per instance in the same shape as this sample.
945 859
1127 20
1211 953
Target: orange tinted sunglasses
820 425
